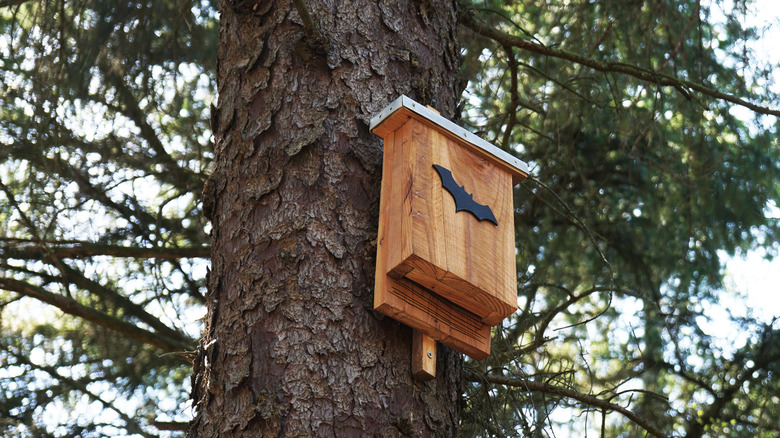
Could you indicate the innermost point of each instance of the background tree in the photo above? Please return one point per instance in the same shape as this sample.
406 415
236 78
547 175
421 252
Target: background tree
644 176
104 148
643 179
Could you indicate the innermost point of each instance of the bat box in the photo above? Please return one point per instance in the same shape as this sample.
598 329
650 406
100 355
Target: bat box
446 247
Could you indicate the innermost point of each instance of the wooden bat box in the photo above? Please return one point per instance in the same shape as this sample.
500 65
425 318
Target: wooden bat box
445 249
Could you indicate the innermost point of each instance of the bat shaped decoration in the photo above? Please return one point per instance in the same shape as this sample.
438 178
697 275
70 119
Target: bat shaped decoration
464 200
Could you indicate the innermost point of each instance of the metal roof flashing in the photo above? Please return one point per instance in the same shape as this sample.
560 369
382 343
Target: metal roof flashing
420 110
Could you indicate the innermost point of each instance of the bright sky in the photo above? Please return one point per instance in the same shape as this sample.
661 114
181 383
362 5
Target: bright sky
753 274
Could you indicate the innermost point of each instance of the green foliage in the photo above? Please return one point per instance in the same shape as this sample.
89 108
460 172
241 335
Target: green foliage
641 189
638 191
104 148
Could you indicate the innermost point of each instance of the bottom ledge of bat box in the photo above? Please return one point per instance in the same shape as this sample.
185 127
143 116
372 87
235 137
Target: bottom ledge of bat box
488 308
442 320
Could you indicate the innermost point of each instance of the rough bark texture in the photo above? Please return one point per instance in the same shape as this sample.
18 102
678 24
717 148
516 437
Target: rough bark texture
292 346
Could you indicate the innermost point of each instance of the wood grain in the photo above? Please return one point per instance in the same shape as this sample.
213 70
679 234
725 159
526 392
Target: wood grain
466 261
423 356
406 301
434 316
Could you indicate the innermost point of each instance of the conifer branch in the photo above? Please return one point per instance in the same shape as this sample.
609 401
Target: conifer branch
469 19
72 307
130 107
9 3
170 425
81 386
534 386
62 250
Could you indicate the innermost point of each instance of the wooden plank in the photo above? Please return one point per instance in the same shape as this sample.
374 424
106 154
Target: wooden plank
400 245
403 108
380 273
446 284
423 356
467 261
434 316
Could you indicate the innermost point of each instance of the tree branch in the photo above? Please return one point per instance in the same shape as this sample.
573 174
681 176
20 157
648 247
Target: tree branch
8 3
316 38
514 101
580 223
768 352
132 424
72 307
170 425
120 301
469 19
185 178
87 250
534 386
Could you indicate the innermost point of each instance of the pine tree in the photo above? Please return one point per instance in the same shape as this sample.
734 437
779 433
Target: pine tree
643 178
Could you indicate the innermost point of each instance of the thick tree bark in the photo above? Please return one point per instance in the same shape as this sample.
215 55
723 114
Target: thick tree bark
292 346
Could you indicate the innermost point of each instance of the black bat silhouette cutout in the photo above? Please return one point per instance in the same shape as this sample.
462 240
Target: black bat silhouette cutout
464 200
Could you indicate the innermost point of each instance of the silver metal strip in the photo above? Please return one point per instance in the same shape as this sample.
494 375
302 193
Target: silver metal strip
425 112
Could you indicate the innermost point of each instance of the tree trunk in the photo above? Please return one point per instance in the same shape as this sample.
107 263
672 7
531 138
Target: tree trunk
292 346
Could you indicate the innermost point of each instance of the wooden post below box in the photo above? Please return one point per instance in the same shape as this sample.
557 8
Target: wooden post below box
445 249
